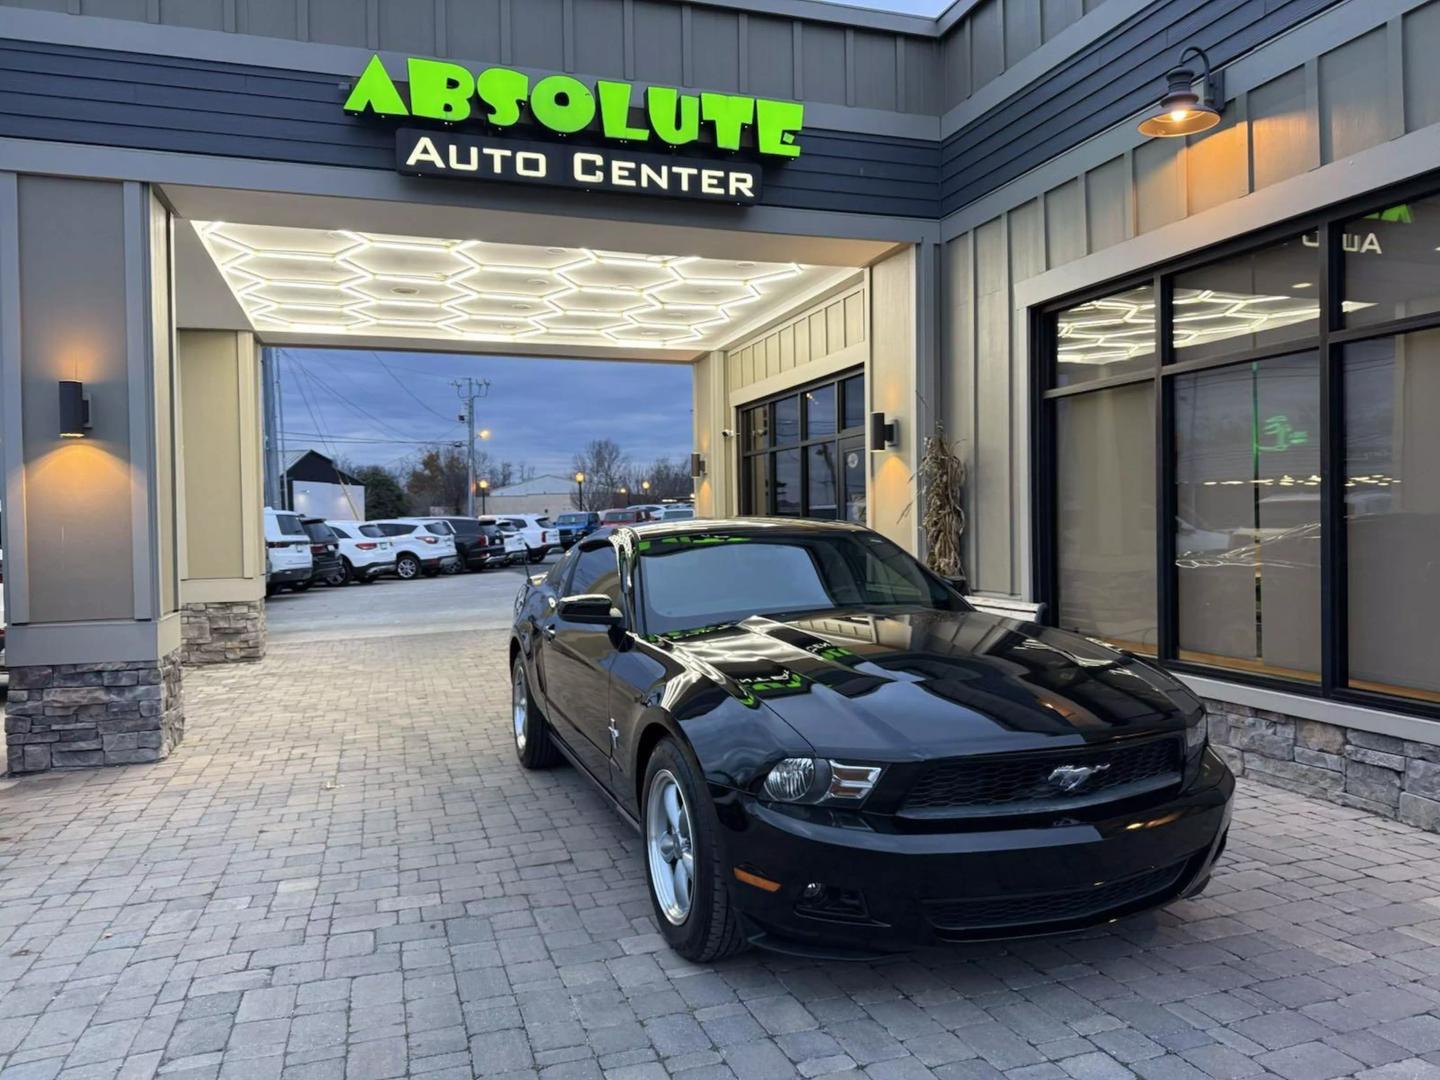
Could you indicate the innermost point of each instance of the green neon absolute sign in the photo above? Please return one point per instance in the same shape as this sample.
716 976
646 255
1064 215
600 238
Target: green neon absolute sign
563 104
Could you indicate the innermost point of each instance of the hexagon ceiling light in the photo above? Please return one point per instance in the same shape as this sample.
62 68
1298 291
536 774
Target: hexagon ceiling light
339 282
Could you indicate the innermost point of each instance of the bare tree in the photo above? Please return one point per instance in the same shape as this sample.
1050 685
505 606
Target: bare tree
668 480
606 470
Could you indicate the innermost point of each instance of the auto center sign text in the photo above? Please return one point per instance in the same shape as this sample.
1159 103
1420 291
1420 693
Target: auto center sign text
664 118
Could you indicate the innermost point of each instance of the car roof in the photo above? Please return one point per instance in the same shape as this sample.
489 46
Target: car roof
747 526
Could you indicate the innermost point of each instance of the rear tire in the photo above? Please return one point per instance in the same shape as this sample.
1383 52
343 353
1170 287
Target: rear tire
708 927
453 568
532 556
341 576
407 566
533 745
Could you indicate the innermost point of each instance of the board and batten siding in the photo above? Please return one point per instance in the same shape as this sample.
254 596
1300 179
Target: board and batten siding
1351 95
661 41
801 347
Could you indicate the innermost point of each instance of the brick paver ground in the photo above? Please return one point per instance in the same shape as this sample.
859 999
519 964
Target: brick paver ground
344 874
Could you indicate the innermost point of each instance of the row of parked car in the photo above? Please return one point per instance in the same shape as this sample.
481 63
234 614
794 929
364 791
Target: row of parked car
303 551
576 525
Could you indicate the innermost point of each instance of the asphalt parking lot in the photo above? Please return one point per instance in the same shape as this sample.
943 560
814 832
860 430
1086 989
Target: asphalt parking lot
343 875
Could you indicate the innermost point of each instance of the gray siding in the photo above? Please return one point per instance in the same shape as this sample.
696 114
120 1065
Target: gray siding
1104 84
688 44
158 103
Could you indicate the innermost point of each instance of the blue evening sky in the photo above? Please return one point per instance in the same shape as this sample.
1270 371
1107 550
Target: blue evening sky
382 407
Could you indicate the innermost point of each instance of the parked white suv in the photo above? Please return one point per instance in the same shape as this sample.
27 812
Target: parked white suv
287 551
366 553
540 536
422 545
515 548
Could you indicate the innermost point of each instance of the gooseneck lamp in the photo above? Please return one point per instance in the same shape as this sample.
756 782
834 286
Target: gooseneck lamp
1181 111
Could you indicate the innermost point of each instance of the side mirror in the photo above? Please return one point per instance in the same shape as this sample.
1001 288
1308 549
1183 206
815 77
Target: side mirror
594 609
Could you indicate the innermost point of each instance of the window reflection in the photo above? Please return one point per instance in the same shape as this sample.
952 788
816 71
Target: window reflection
1391 263
1247 532
1253 300
1114 335
1392 513
823 502
787 421
1106 515
787 482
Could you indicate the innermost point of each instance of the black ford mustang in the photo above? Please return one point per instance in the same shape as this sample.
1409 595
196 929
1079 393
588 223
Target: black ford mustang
827 750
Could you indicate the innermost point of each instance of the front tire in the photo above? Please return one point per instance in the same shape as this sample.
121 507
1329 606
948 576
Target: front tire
533 745
532 556
683 864
407 567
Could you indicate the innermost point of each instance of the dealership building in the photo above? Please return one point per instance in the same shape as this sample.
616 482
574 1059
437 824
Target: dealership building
1183 327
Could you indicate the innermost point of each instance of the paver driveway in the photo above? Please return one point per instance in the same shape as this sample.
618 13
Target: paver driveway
343 873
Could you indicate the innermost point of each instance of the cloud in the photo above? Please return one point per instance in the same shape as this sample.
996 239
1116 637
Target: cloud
380 408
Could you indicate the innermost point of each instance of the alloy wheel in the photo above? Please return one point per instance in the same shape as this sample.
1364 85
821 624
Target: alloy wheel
669 847
519 704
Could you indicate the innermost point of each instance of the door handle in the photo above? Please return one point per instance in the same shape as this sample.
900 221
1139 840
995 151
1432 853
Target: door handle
549 631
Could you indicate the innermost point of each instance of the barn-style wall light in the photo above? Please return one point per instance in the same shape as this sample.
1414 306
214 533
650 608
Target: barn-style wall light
74 410
1181 111
697 464
883 433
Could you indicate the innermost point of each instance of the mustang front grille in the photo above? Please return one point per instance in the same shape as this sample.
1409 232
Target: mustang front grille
1038 909
1053 780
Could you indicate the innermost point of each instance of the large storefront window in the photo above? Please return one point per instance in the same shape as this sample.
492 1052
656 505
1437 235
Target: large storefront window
803 453
1241 465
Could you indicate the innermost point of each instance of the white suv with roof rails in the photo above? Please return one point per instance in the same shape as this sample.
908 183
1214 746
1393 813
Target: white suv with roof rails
540 536
366 553
288 561
422 545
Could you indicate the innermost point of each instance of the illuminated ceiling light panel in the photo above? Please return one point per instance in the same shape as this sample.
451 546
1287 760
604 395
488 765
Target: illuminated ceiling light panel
354 284
1113 330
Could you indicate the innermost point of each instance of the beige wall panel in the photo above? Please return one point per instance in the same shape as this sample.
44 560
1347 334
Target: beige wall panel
168 498
1064 223
1353 114
834 326
787 348
1159 183
854 319
991 480
1420 34
1283 138
772 354
215 411
1106 201
1217 163
892 391
73 326
817 335
802 341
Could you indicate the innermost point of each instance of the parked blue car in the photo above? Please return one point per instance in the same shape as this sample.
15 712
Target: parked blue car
575 526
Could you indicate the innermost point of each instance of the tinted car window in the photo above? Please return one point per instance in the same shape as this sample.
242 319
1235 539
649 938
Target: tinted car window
597 571
464 526
318 531
342 532
683 585
439 528
371 530
544 523
290 525
572 519
394 528
558 572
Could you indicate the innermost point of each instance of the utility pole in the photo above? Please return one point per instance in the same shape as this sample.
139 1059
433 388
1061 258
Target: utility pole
273 426
470 390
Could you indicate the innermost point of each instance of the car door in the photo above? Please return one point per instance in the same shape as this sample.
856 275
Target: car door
576 660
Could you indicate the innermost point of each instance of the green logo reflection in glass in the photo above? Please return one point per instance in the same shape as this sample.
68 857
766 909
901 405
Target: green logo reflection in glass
440 90
1279 435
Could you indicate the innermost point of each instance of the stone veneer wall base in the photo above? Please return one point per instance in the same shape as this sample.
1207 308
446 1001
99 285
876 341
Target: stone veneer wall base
1382 774
222 632
71 716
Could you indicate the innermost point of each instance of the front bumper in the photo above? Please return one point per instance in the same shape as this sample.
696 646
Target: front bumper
923 888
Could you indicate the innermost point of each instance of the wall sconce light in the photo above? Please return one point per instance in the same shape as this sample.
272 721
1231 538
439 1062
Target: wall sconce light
1180 110
883 433
697 465
74 410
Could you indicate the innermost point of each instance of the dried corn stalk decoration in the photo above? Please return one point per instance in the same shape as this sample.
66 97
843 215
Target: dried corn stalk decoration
942 482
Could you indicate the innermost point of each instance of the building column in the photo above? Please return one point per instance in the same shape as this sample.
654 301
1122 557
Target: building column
90 521
891 386
222 589
714 496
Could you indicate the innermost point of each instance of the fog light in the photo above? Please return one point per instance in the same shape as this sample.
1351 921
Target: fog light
812 891
820 901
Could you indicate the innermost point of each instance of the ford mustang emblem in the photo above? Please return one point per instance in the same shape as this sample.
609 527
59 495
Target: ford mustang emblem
1074 777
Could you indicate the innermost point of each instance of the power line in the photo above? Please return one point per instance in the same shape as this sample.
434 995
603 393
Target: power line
346 401
368 439
400 383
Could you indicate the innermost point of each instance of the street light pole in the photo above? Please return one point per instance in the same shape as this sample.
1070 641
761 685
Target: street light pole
484 490
580 490
472 389
624 491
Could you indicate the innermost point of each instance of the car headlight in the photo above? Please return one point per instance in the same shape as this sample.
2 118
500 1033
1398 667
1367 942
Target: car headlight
1196 731
814 780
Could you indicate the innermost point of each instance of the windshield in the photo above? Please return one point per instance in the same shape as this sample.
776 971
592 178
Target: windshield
699 579
570 519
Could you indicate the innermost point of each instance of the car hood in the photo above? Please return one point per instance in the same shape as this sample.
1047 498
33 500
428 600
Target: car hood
923 683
